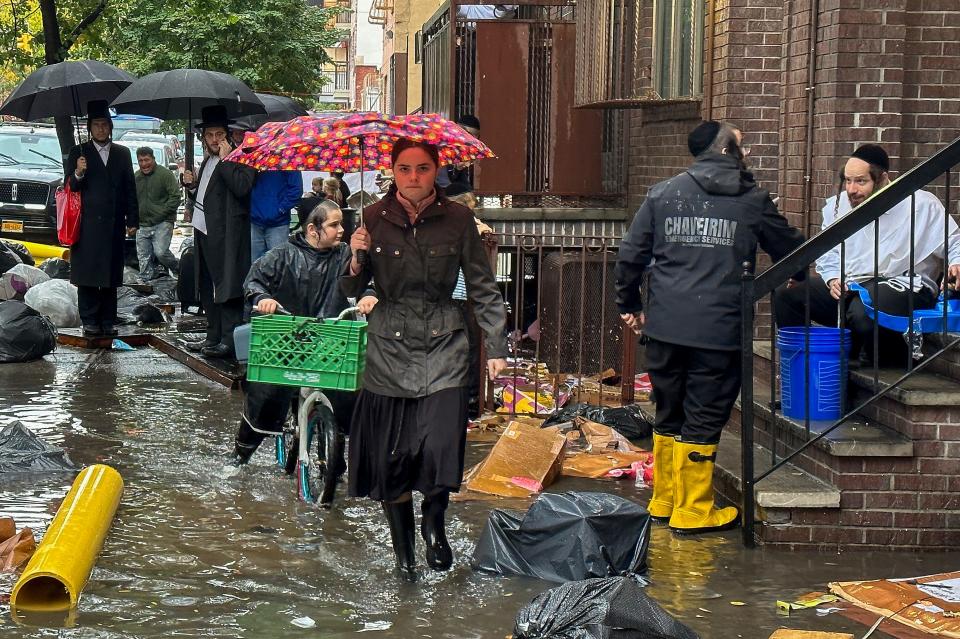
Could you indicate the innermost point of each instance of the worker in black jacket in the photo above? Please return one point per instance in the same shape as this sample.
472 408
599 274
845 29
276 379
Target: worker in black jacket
693 233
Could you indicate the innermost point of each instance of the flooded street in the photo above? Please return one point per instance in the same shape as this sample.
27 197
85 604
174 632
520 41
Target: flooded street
196 553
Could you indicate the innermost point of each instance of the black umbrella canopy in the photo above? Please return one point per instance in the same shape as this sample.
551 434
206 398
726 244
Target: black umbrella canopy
181 94
279 109
65 88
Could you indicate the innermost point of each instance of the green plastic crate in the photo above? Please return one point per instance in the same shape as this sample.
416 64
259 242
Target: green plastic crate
303 351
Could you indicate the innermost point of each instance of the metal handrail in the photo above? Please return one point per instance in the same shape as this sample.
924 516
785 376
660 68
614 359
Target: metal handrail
756 287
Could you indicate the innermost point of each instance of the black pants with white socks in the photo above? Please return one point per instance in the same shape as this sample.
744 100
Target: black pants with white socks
223 317
97 306
889 296
694 389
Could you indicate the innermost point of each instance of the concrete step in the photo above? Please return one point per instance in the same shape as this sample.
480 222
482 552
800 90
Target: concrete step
857 437
920 389
788 487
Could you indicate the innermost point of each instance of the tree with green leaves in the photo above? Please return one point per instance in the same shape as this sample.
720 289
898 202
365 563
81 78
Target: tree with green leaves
272 45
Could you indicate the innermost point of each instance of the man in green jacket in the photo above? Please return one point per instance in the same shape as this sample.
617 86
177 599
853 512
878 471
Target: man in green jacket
159 196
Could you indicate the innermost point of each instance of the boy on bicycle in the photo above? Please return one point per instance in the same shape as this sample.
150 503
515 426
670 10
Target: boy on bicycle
300 277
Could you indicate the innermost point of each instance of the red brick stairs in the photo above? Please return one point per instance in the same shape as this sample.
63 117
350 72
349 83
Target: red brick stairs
889 479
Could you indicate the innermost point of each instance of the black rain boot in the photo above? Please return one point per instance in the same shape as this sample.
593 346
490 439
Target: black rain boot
245 444
439 554
400 518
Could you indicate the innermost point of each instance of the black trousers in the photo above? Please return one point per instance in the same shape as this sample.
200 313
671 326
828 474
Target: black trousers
694 389
97 306
221 318
888 296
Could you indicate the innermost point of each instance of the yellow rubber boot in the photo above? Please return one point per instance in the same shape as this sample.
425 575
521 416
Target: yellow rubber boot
693 510
661 504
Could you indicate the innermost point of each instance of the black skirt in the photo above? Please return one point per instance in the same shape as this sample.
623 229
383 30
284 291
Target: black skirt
402 444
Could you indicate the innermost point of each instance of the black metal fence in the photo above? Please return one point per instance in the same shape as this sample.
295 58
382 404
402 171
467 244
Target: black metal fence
563 324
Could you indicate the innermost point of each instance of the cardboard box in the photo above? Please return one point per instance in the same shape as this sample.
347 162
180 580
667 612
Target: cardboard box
532 455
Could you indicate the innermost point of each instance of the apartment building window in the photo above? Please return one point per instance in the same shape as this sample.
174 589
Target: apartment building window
678 48
345 17
340 80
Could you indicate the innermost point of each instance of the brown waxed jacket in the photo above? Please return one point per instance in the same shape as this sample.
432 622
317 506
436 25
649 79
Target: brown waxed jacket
417 342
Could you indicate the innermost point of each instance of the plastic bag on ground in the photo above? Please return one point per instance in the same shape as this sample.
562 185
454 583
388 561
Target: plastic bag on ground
8 258
566 537
57 268
612 608
25 335
627 420
18 280
21 252
21 451
57 299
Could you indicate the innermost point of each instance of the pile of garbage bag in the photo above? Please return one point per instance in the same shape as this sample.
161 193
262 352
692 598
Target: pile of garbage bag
17 280
21 451
25 334
21 251
612 608
566 537
57 299
57 268
627 420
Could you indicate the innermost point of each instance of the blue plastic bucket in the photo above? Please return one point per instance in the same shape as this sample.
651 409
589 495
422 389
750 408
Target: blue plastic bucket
827 371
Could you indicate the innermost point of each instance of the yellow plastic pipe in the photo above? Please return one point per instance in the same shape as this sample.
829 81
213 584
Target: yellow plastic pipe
58 571
45 251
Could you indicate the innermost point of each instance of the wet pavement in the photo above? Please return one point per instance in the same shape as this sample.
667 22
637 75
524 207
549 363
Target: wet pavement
196 553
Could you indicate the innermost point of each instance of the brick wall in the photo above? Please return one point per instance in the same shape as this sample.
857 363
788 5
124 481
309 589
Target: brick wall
658 145
361 73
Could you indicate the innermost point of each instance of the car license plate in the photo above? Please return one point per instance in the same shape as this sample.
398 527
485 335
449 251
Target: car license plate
11 226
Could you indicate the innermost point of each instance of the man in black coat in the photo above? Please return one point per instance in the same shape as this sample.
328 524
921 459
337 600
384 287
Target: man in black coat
102 172
693 233
221 220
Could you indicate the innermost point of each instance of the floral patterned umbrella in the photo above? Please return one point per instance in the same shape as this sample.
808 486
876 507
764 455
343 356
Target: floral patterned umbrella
352 142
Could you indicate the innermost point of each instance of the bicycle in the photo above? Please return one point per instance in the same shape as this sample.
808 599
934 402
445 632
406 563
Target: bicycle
312 418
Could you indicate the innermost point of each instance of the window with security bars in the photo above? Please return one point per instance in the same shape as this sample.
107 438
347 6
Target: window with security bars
678 48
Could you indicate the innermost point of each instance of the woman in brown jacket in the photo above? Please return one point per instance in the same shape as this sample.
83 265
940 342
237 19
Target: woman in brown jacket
409 426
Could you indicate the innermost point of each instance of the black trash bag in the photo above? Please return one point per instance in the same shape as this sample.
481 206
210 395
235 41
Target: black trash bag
148 314
21 451
612 608
8 258
628 420
56 268
566 537
21 251
25 334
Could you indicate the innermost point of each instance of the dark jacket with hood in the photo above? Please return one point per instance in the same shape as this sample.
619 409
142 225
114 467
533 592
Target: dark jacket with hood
108 198
694 232
417 342
303 279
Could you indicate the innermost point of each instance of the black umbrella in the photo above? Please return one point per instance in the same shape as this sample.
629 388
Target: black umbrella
279 109
65 88
182 94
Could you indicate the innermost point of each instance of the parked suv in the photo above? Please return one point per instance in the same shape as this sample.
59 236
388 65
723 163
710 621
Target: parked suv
31 169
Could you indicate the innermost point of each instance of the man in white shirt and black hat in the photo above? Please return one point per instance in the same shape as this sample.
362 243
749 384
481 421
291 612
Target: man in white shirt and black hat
220 193
890 288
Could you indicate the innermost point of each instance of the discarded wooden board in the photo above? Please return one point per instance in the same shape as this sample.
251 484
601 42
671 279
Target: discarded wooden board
786 633
75 337
226 372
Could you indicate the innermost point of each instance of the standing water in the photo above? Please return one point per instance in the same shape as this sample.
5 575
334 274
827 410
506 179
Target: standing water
198 552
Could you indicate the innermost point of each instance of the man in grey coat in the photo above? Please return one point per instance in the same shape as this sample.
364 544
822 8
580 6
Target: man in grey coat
221 218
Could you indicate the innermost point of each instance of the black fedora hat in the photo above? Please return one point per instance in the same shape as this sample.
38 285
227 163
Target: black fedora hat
214 115
97 109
